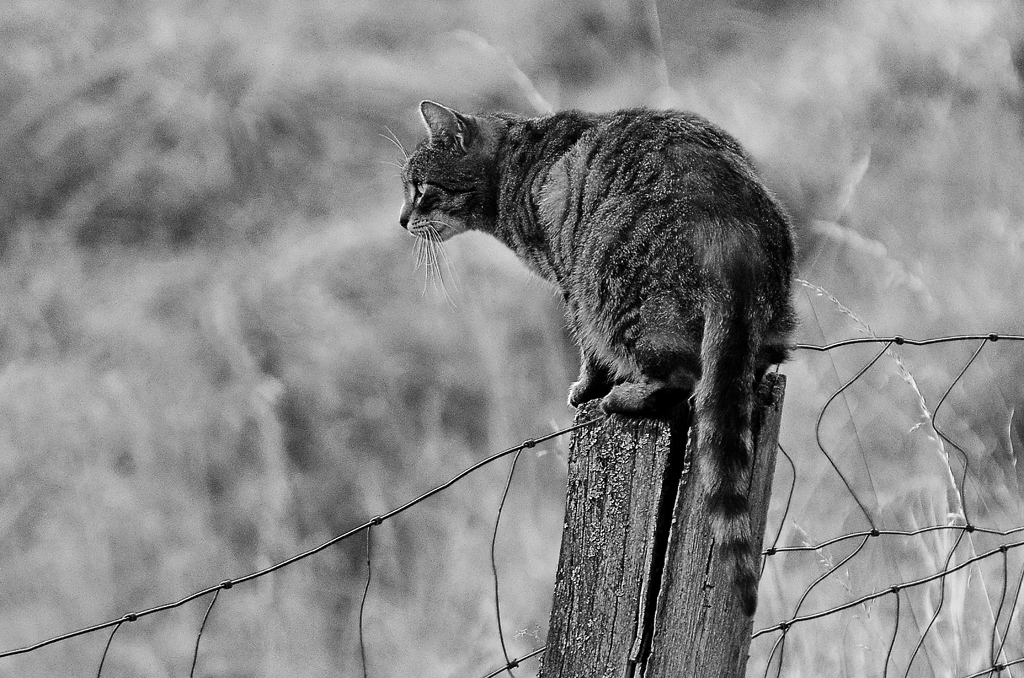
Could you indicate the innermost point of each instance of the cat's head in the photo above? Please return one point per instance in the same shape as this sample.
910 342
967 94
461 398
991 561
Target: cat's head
449 178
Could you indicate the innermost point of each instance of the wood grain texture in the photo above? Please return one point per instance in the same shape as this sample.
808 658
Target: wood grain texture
616 473
699 630
639 588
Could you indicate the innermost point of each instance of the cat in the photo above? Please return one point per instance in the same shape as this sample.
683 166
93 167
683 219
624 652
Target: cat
673 259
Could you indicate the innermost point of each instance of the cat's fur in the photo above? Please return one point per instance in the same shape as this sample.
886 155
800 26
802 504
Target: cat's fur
673 259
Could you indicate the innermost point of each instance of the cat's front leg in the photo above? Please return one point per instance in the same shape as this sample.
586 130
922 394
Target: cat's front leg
595 381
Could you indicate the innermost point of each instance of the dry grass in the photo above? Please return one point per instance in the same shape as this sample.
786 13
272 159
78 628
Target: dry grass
215 348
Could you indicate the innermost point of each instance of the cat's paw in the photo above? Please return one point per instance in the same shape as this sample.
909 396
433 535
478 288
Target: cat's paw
585 390
642 400
628 399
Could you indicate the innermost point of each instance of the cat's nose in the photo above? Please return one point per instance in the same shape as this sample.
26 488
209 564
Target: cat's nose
403 218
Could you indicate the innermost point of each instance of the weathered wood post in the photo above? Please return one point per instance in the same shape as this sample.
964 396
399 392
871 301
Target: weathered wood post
640 590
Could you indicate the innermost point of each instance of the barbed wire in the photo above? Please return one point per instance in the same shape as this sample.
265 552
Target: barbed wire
860 539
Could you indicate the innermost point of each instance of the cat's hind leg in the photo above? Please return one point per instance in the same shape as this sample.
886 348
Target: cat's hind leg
669 367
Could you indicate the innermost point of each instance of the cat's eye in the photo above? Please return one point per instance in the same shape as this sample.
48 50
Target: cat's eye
444 189
419 188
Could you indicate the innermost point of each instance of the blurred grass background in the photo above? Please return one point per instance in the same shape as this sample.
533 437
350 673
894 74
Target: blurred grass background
216 348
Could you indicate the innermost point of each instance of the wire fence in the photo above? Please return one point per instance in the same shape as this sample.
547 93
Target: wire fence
927 595
959 581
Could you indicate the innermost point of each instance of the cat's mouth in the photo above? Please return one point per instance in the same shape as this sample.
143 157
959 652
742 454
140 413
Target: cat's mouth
437 231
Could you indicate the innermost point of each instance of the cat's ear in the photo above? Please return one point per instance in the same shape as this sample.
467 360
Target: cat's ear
444 123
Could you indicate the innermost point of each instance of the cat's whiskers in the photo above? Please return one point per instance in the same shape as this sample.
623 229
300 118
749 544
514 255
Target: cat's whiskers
433 246
424 252
453 274
423 259
435 267
431 261
393 138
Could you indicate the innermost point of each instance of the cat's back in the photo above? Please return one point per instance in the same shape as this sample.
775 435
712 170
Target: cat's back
627 160
641 130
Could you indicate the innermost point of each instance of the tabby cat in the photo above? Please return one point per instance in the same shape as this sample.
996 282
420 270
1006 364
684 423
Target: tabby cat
673 259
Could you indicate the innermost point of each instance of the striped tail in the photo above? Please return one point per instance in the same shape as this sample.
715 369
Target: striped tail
723 411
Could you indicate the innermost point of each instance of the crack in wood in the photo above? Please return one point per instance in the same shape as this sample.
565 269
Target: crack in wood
639 591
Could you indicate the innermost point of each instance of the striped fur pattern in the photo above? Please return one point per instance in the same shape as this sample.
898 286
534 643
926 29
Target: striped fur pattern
673 259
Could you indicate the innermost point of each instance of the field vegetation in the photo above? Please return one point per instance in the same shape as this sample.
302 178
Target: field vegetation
217 348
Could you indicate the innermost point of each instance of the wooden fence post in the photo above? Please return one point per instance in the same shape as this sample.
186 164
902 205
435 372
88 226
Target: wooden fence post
640 590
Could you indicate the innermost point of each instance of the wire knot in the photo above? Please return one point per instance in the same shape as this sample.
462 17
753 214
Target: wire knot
898 340
130 617
993 337
376 520
527 444
226 584
968 528
874 532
